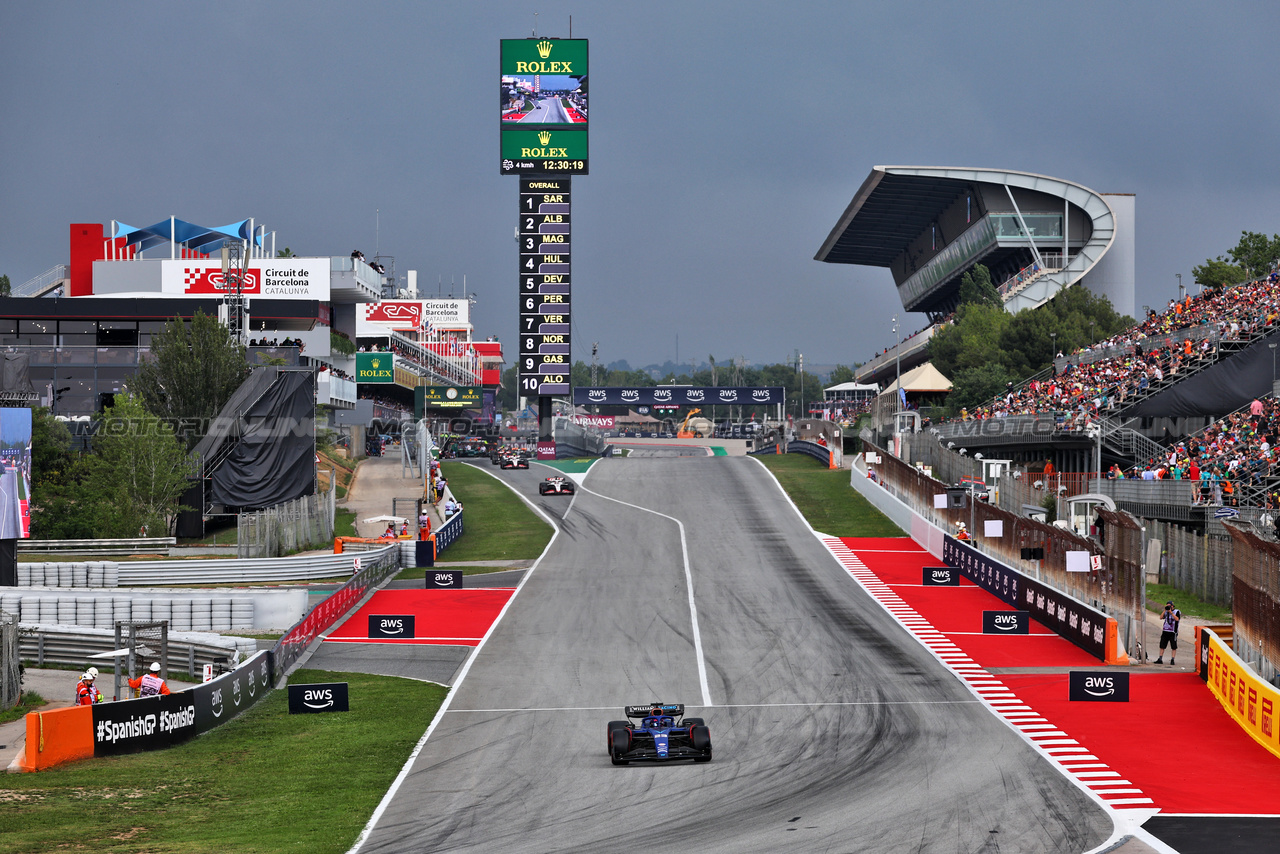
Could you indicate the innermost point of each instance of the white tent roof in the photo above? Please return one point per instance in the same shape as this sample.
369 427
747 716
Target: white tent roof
924 378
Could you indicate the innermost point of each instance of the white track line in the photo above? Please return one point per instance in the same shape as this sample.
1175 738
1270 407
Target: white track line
462 674
688 579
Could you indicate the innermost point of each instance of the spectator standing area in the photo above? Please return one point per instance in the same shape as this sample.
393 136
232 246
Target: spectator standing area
1145 757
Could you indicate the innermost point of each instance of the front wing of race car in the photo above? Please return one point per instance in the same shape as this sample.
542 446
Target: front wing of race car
662 746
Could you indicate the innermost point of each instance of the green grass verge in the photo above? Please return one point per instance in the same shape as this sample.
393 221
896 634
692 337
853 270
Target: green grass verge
826 499
344 522
1185 601
267 781
415 573
28 702
499 526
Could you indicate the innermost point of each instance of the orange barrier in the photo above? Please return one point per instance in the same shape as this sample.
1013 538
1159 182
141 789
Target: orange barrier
339 541
1113 653
56 737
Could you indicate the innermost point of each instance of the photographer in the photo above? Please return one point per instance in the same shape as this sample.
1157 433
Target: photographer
1169 632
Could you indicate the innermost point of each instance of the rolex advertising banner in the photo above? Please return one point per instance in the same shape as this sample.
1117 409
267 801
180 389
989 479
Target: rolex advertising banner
375 367
543 106
449 397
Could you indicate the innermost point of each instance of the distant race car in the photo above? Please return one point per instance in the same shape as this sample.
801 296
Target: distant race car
514 462
663 734
556 485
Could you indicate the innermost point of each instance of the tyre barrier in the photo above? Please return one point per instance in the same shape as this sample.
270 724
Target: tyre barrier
103 611
93 573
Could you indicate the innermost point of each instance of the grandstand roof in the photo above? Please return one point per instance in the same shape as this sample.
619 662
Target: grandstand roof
930 224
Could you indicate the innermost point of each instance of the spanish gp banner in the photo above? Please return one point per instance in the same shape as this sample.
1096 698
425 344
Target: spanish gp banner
1088 629
1250 700
280 278
680 395
152 723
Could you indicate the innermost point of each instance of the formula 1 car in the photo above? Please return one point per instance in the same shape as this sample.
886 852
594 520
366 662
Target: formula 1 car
514 462
664 733
556 485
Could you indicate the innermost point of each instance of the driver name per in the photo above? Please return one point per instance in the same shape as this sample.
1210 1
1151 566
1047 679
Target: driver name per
544 286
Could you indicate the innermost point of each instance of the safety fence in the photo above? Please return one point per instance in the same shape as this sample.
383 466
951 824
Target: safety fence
1113 583
188 651
10 675
303 523
126 546
375 567
1199 563
1256 599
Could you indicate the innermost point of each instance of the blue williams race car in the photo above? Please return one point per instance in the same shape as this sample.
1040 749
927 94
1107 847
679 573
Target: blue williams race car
663 733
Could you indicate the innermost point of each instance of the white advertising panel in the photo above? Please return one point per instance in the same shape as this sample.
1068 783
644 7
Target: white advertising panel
279 278
447 313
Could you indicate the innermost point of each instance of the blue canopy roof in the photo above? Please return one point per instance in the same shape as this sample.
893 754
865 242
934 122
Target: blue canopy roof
207 240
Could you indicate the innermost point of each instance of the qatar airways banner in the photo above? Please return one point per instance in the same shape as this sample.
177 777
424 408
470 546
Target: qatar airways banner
681 395
606 422
280 278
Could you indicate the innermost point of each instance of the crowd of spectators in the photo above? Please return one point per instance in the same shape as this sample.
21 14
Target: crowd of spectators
1147 356
272 342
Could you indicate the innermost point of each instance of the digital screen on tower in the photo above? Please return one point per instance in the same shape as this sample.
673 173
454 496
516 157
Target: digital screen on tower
543 106
544 359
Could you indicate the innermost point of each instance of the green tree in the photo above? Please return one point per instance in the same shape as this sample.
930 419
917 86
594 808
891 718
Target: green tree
841 374
976 287
977 386
138 472
1217 272
973 340
5 288
1256 254
192 371
285 253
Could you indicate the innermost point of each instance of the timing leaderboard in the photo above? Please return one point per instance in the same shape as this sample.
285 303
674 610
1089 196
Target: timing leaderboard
544 286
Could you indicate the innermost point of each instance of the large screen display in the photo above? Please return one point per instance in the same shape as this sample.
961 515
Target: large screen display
543 106
15 473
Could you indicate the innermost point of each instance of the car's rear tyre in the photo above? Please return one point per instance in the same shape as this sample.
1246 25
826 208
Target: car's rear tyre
613 725
694 722
700 738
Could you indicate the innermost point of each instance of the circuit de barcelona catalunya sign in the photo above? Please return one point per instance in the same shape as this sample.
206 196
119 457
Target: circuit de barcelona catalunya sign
681 395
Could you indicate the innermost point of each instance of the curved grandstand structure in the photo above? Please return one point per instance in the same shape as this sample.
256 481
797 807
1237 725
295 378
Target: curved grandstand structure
930 225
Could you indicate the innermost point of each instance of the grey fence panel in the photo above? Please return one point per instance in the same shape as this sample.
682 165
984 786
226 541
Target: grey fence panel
303 523
10 676
221 571
73 645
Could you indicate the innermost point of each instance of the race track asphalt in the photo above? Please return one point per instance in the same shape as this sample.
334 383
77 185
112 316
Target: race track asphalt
833 730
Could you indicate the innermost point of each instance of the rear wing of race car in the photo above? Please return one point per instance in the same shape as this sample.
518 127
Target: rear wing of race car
673 709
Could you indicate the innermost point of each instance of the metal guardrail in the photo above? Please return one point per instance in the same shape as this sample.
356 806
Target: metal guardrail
448 532
158 573
136 545
73 645
376 568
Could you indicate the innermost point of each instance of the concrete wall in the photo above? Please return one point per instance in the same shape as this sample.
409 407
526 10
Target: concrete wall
1114 276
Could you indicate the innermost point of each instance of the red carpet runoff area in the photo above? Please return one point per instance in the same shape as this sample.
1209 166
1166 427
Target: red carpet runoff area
453 617
1131 755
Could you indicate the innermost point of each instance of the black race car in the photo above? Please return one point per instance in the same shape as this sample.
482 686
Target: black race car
664 733
514 462
556 485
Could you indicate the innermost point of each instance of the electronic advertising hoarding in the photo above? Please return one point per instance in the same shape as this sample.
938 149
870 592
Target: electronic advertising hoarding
543 106
15 473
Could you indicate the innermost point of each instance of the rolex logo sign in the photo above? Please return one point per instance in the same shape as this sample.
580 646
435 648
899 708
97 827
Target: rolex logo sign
544 49
375 368
547 150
